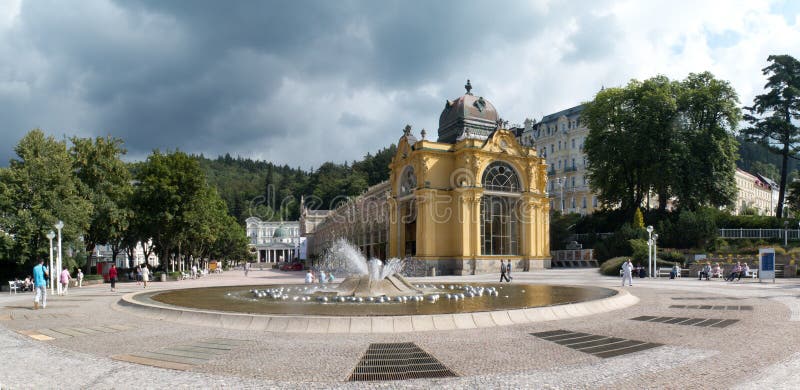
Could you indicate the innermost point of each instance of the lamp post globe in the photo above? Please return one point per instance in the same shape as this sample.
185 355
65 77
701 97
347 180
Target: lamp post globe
59 225
50 236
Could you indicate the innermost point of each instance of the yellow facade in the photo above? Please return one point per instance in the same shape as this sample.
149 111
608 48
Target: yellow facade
439 220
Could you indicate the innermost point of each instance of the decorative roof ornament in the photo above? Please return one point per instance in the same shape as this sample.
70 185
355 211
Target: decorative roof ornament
468 87
422 133
502 124
407 130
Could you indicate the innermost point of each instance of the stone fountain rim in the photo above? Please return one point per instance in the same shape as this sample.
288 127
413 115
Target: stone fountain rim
373 324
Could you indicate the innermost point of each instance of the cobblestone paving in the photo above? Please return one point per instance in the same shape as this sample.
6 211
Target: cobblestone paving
500 357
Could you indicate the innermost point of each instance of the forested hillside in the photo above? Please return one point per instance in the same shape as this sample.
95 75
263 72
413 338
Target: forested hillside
272 192
755 158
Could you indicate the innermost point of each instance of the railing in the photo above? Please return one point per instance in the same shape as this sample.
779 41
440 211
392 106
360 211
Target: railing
580 237
571 169
741 233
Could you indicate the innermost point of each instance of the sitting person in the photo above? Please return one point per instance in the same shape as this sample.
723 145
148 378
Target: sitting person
309 277
322 278
676 271
716 271
27 284
745 270
330 277
735 272
706 271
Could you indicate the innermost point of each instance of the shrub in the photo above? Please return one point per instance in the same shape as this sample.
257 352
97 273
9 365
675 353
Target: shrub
638 250
618 244
92 277
174 275
672 257
612 266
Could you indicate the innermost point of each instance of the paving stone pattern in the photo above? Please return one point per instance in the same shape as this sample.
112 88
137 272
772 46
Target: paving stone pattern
600 346
398 361
704 322
47 334
185 356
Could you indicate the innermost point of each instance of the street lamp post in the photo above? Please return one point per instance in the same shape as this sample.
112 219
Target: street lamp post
785 233
649 249
655 252
59 225
562 181
50 236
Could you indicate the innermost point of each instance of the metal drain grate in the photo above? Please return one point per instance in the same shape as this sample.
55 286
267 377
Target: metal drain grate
712 307
398 361
704 322
600 346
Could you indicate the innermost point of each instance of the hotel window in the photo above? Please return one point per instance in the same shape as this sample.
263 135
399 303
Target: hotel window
563 127
573 181
573 163
572 202
584 202
584 180
559 164
559 145
499 226
552 148
573 143
594 201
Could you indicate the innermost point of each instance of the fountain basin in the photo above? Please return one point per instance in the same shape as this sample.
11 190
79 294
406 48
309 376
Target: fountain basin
140 304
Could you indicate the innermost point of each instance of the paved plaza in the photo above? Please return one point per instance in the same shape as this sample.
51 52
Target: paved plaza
681 333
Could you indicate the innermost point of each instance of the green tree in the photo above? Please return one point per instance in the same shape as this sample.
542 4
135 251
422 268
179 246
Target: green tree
168 185
708 115
638 219
663 137
772 113
36 190
105 183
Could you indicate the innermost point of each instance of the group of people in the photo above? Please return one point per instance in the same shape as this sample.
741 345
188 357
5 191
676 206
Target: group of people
321 279
505 271
738 270
38 283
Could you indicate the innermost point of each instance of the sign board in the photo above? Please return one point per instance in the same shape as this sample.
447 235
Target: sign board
766 263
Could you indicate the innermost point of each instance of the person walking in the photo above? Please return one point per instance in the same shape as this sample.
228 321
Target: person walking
40 276
627 269
503 272
508 271
80 278
138 275
246 268
194 271
145 274
112 277
64 280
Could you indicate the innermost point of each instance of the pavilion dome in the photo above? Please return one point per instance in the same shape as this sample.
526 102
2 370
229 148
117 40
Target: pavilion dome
467 114
280 232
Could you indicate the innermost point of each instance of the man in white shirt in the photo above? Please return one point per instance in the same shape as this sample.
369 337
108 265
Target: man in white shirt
627 269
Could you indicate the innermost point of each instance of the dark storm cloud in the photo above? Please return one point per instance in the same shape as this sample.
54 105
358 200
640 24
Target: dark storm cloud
241 77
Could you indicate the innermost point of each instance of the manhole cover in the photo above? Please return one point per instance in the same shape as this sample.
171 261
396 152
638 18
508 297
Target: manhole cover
398 361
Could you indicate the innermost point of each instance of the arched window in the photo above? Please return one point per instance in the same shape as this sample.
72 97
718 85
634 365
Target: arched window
499 176
408 182
500 233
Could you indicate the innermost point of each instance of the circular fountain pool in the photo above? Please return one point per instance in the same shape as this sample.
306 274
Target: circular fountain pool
436 299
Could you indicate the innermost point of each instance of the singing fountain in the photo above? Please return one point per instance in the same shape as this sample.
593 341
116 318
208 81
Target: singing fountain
377 289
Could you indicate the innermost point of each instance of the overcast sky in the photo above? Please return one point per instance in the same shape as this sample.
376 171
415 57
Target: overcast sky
303 82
